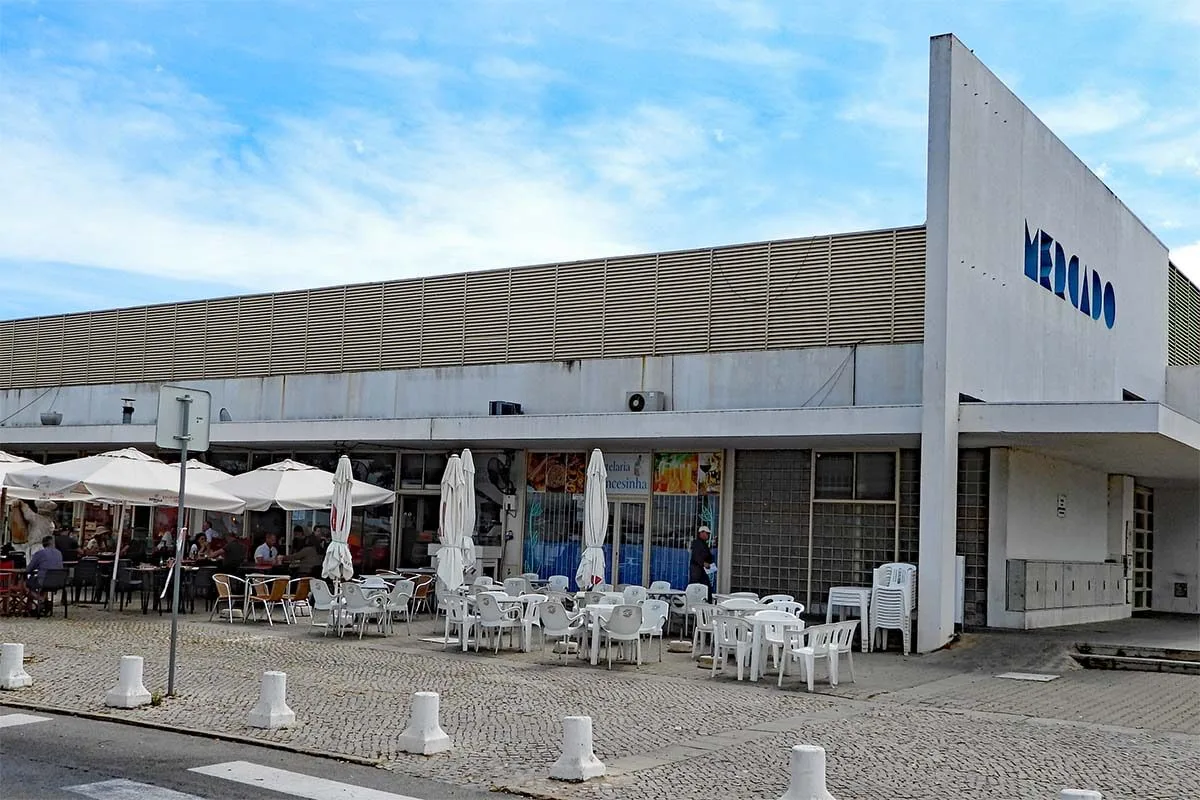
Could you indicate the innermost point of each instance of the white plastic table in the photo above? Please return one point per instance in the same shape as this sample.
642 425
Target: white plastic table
594 614
851 597
756 640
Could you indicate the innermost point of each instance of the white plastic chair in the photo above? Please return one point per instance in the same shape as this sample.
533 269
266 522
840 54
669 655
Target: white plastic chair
361 608
695 594
624 625
397 602
634 594
530 577
496 619
739 605
807 646
775 635
558 624
893 602
790 606
558 583
743 595
777 598
654 618
660 586
703 630
323 600
458 617
603 587
516 586
843 640
731 636
530 618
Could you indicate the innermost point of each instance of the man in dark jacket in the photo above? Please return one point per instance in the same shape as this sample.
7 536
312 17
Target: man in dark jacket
701 558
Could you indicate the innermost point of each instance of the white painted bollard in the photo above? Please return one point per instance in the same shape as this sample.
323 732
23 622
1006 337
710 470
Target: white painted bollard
808 774
272 710
12 667
1079 794
578 761
424 734
129 691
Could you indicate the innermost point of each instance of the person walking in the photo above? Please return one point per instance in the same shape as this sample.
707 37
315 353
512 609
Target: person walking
702 559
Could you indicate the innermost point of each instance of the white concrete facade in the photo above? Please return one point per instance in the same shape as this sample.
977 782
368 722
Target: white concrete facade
1074 401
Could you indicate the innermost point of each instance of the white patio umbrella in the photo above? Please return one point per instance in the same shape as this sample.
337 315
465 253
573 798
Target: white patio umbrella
450 560
200 472
468 510
339 564
298 487
595 524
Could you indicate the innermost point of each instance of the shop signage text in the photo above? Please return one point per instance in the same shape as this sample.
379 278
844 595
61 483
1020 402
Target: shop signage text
628 473
1047 264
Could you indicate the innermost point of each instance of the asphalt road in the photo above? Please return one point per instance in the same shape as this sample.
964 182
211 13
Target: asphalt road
110 761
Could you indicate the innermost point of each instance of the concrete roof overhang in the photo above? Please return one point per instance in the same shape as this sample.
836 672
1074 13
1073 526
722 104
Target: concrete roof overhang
1148 440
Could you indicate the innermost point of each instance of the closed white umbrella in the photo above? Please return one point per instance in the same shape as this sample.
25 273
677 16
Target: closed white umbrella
339 565
121 476
595 524
299 487
468 510
450 561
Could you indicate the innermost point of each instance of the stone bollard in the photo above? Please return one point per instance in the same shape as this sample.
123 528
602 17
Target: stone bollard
1079 794
424 734
808 774
12 667
129 691
578 761
272 710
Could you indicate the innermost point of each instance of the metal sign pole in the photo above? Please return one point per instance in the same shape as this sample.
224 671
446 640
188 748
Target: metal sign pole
180 533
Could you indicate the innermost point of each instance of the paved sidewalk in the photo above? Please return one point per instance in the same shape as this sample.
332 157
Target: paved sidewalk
918 727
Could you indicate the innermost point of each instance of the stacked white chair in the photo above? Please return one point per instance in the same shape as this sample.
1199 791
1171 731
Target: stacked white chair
893 602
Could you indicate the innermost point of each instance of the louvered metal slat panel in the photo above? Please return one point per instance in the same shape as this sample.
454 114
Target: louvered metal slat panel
289 333
1183 320
326 321
220 344
738 316
254 335
487 317
6 352
49 350
131 344
531 314
24 367
629 301
102 347
799 304
443 318
684 293
909 324
191 331
402 324
160 343
362 336
579 311
861 284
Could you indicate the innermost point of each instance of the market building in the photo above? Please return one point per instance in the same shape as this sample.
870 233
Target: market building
1007 395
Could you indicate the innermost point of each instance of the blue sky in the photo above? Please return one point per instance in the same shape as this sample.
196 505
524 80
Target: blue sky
156 151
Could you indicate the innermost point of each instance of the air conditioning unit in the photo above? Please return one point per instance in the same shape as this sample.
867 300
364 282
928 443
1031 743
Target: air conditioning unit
503 408
646 401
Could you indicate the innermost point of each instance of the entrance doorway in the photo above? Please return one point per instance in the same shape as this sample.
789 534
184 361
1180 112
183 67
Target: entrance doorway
418 529
1143 547
630 544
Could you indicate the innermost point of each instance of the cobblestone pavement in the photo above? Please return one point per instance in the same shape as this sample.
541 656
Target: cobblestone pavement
935 726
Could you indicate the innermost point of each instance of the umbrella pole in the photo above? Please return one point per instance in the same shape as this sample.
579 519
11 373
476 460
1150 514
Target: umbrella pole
180 533
112 584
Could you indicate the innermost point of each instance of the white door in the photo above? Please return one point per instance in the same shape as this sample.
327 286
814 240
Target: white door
1142 578
627 532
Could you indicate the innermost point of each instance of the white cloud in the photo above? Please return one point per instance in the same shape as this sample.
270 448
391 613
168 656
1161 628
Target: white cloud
502 68
1187 258
1089 111
391 65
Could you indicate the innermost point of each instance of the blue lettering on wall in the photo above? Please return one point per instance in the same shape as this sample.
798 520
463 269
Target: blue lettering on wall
1048 265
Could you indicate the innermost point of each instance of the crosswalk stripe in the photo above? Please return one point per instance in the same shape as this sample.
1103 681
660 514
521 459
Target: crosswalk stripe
121 789
294 783
11 720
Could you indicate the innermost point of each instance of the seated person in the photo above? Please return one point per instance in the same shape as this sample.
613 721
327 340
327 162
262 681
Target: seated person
135 551
232 556
198 548
307 560
265 555
44 560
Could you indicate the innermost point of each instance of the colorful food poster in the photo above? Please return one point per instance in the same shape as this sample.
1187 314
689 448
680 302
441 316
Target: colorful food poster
676 473
535 473
576 473
709 476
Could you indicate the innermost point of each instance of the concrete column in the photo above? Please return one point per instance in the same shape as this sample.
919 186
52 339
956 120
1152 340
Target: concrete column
1120 514
998 615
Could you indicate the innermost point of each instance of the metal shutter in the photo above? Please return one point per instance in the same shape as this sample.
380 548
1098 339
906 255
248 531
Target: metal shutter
740 282
254 335
289 333
684 282
579 310
402 324
861 280
326 320
24 367
798 315
629 302
1183 319
160 343
102 348
487 317
191 332
220 342
531 314
443 318
909 313
49 351
362 334
7 355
